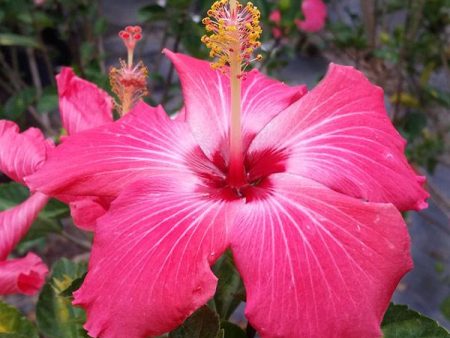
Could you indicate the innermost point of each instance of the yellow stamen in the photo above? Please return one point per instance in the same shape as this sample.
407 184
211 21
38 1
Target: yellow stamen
231 24
234 34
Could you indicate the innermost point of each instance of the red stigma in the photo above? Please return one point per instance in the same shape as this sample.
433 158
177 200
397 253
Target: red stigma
130 35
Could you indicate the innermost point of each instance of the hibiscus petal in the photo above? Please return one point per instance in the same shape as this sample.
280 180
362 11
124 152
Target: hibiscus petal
315 12
150 263
103 160
82 104
340 135
207 95
86 211
317 262
15 222
21 154
23 275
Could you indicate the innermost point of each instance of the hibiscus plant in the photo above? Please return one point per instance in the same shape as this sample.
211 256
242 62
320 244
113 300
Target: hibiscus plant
258 198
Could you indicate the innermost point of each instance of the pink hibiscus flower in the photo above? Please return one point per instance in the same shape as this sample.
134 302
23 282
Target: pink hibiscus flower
82 106
304 188
315 12
315 227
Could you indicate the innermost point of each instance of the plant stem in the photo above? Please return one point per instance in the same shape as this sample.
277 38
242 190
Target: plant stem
369 16
34 71
14 77
81 243
45 124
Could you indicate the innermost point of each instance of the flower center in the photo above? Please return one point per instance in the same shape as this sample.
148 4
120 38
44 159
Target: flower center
258 167
129 82
234 33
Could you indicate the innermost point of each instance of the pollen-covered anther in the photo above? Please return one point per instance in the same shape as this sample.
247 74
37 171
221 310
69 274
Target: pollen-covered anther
234 33
129 85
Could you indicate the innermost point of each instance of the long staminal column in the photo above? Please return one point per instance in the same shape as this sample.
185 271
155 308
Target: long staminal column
236 171
234 36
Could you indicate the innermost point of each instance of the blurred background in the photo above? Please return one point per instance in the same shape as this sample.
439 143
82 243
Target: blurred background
401 45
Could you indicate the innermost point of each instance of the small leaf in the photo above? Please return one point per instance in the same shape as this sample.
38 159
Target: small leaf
13 324
445 307
56 317
100 26
232 330
48 102
204 323
230 290
12 194
74 286
151 13
19 103
401 322
405 99
55 209
9 39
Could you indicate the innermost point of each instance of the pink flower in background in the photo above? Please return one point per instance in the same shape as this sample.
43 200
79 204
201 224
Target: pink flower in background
23 275
275 17
315 229
315 12
82 106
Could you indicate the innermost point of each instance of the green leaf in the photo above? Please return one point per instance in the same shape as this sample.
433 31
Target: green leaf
151 13
11 194
74 286
55 209
401 322
9 39
204 323
439 96
100 26
232 330
87 52
445 307
19 103
13 324
48 102
230 290
56 317
191 39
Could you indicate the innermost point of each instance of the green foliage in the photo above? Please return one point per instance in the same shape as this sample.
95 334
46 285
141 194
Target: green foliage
10 39
230 290
401 322
14 325
348 36
204 323
232 330
48 102
18 103
445 307
56 316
